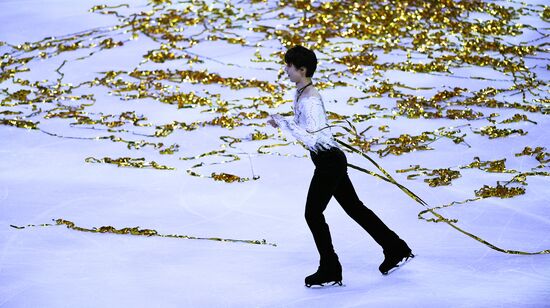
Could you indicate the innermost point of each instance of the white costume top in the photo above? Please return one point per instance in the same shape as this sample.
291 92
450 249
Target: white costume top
309 118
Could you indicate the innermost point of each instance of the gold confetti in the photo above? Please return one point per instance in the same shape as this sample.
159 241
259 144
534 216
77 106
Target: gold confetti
430 39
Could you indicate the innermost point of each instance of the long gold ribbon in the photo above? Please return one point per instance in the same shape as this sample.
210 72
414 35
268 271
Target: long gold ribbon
440 218
145 232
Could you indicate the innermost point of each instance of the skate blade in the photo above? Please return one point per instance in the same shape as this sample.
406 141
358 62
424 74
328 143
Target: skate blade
403 261
325 284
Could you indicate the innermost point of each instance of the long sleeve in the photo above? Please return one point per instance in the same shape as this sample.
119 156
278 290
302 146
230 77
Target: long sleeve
309 119
299 133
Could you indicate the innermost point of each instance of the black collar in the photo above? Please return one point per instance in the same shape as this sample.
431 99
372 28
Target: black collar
300 91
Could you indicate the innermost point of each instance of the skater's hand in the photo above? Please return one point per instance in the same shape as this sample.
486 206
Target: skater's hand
272 123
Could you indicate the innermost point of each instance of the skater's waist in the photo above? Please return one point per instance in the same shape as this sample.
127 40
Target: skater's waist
326 151
330 154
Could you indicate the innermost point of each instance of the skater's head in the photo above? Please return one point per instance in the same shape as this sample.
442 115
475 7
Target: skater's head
300 63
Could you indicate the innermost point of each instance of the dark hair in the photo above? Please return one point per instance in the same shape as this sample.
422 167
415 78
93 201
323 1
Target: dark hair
300 56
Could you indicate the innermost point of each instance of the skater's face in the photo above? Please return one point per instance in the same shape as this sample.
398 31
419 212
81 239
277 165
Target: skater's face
294 74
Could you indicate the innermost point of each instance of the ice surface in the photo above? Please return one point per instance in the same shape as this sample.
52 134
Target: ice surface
43 178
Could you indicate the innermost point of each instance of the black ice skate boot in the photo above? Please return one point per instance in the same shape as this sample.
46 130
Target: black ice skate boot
393 255
328 271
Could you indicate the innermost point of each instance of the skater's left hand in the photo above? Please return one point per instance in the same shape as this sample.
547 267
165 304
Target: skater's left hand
272 123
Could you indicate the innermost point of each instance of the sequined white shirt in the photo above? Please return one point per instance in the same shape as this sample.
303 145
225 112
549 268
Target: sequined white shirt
309 118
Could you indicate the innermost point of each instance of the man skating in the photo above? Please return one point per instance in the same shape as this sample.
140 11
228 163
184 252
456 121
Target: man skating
330 177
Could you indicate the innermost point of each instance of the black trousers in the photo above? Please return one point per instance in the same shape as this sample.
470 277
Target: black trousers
331 179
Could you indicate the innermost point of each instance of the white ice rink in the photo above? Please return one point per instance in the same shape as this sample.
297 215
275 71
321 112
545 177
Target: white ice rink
43 178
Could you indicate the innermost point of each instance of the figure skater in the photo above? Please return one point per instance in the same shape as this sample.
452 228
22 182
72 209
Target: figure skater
330 177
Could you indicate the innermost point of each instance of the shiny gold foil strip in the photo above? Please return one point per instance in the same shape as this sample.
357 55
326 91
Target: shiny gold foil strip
129 162
143 232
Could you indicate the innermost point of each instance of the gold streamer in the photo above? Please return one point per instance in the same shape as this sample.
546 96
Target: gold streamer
440 218
143 232
129 162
